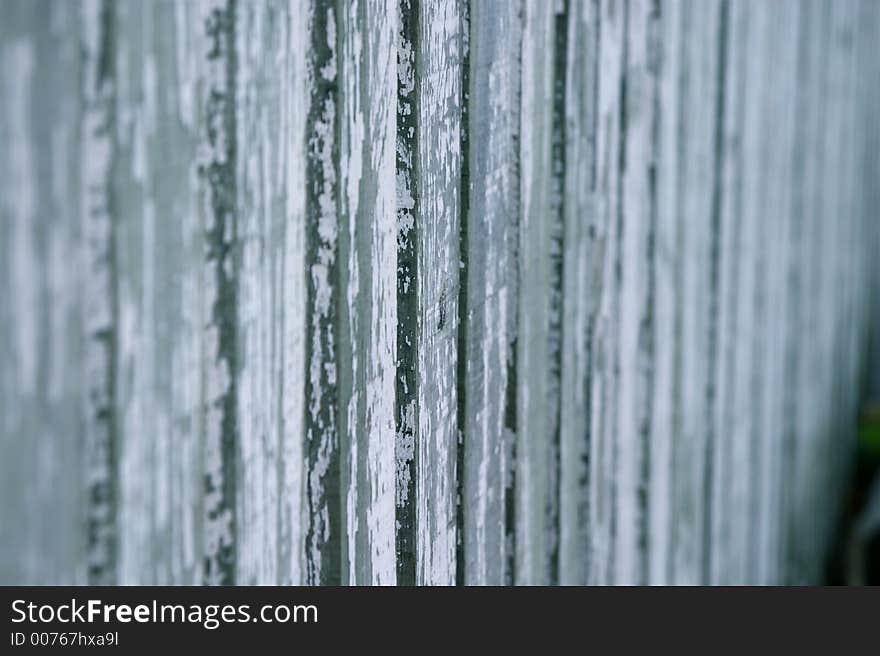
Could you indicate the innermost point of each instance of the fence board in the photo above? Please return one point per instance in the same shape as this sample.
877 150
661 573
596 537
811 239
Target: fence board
433 291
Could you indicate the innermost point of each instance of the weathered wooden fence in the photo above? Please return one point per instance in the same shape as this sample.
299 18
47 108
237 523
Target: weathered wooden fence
432 291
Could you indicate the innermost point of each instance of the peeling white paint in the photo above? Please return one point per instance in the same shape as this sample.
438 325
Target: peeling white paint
664 273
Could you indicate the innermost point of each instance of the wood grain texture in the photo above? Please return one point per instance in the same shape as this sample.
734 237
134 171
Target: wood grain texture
438 61
368 272
47 479
433 292
537 345
490 312
582 260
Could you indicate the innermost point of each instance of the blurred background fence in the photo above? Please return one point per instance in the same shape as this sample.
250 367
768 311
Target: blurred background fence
433 291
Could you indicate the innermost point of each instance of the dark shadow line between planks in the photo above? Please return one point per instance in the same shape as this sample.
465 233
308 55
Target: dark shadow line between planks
408 338
461 363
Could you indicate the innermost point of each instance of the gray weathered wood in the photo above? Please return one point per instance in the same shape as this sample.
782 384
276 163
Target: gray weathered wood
433 291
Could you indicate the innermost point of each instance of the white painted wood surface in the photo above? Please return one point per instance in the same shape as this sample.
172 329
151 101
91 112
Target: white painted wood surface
433 291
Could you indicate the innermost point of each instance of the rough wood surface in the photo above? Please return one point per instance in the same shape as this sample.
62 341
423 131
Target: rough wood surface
433 291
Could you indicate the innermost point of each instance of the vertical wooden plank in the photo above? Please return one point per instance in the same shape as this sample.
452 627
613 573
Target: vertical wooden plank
40 342
323 539
141 419
588 303
368 270
636 216
158 247
259 252
666 343
490 311
217 168
582 257
838 149
817 435
685 292
800 533
776 122
696 145
438 58
718 246
58 107
603 459
865 101
753 284
816 394
100 308
176 137
294 131
750 390
811 429
870 193
729 521
539 292
270 85
839 236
